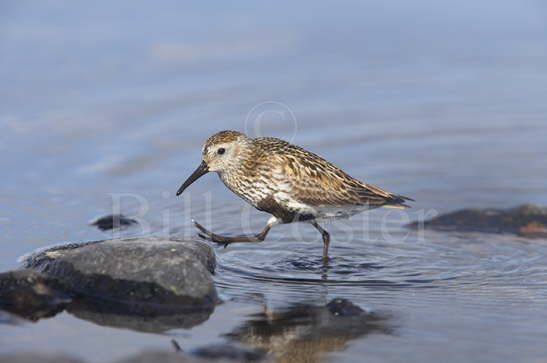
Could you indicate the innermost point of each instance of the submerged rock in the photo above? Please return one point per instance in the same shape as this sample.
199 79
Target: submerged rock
31 294
113 221
141 270
527 220
344 307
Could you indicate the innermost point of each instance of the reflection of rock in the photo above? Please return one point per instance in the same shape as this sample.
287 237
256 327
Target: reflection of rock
213 353
528 220
31 295
302 332
157 357
152 318
145 357
150 270
229 352
38 358
113 221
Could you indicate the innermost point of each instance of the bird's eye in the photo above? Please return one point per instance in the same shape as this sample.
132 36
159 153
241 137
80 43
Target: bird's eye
221 150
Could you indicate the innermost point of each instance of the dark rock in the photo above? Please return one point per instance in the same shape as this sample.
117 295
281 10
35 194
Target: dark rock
527 220
229 352
34 295
344 307
140 270
113 221
38 358
31 294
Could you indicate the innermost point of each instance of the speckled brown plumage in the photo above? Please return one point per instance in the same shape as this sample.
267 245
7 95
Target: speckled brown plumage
287 181
314 180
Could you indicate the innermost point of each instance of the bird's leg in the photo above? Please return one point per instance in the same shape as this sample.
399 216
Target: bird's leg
227 240
326 240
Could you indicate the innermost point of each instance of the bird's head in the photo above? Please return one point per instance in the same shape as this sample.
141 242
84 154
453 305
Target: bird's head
222 153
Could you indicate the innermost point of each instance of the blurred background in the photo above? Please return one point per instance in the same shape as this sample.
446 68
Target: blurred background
443 101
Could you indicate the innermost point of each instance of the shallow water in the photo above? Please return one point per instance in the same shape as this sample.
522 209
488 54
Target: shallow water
448 107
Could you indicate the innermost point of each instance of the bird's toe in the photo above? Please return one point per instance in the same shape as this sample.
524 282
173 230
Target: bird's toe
213 239
221 243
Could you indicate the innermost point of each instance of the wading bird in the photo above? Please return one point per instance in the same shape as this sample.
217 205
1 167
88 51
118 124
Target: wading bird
287 181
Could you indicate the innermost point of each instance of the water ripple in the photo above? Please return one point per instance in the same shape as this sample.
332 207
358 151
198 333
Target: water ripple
464 264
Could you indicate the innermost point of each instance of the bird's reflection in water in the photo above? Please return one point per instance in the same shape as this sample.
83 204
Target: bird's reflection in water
301 333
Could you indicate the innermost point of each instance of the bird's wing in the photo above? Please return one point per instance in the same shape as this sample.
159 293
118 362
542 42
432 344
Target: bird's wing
312 180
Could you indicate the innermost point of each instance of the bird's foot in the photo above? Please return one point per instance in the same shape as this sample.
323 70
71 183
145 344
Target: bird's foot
210 236
218 241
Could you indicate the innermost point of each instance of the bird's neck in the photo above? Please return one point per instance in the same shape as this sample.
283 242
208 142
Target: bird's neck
241 177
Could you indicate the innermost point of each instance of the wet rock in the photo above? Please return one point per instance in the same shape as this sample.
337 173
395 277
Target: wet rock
230 352
38 358
141 270
344 307
31 294
533 230
113 221
527 220
34 295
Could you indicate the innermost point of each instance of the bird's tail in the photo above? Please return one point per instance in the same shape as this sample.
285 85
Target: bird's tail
397 201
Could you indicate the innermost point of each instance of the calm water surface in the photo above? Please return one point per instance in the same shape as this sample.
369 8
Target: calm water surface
441 102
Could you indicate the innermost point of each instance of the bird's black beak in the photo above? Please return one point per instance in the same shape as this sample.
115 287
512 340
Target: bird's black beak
201 170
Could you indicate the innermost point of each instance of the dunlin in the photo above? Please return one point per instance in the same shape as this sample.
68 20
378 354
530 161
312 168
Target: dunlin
287 181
